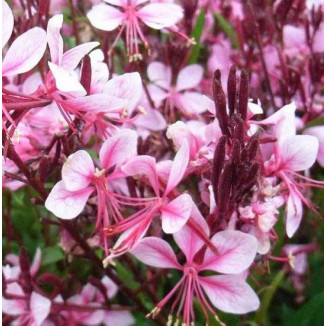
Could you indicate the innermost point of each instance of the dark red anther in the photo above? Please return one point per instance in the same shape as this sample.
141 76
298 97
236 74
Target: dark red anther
86 74
224 188
232 89
235 152
243 95
252 148
253 172
220 103
239 129
25 277
218 160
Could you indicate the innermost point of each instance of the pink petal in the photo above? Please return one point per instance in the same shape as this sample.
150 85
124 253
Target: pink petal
111 287
159 74
160 15
67 204
104 17
318 132
100 75
71 58
189 77
151 120
7 23
143 165
299 152
78 171
97 103
178 168
127 86
54 38
293 213
66 81
155 252
36 263
187 240
230 293
176 213
236 251
40 308
13 307
25 52
119 318
284 122
195 103
119 148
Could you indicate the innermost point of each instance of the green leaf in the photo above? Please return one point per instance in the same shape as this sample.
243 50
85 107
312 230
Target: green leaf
51 255
228 30
311 313
196 34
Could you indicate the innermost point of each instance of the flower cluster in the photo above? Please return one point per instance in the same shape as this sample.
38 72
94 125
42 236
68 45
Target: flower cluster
161 144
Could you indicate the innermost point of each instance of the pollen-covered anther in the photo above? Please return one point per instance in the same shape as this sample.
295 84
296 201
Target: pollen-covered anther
107 261
153 313
176 323
124 113
170 320
219 321
98 173
191 42
291 260
141 110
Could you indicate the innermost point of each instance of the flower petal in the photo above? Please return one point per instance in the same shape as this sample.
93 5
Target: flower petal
97 103
71 58
66 81
105 17
78 171
119 148
178 168
25 52
194 103
54 38
299 152
155 252
143 165
7 23
40 308
293 212
187 240
67 204
189 77
318 132
236 251
128 87
176 213
230 293
118 317
160 15
159 74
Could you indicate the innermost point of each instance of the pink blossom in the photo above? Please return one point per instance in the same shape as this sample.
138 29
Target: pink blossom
180 95
229 293
80 179
174 213
129 15
27 49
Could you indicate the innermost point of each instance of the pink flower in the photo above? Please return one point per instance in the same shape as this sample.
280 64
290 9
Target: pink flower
174 212
129 15
80 178
229 293
180 95
292 153
318 132
27 49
